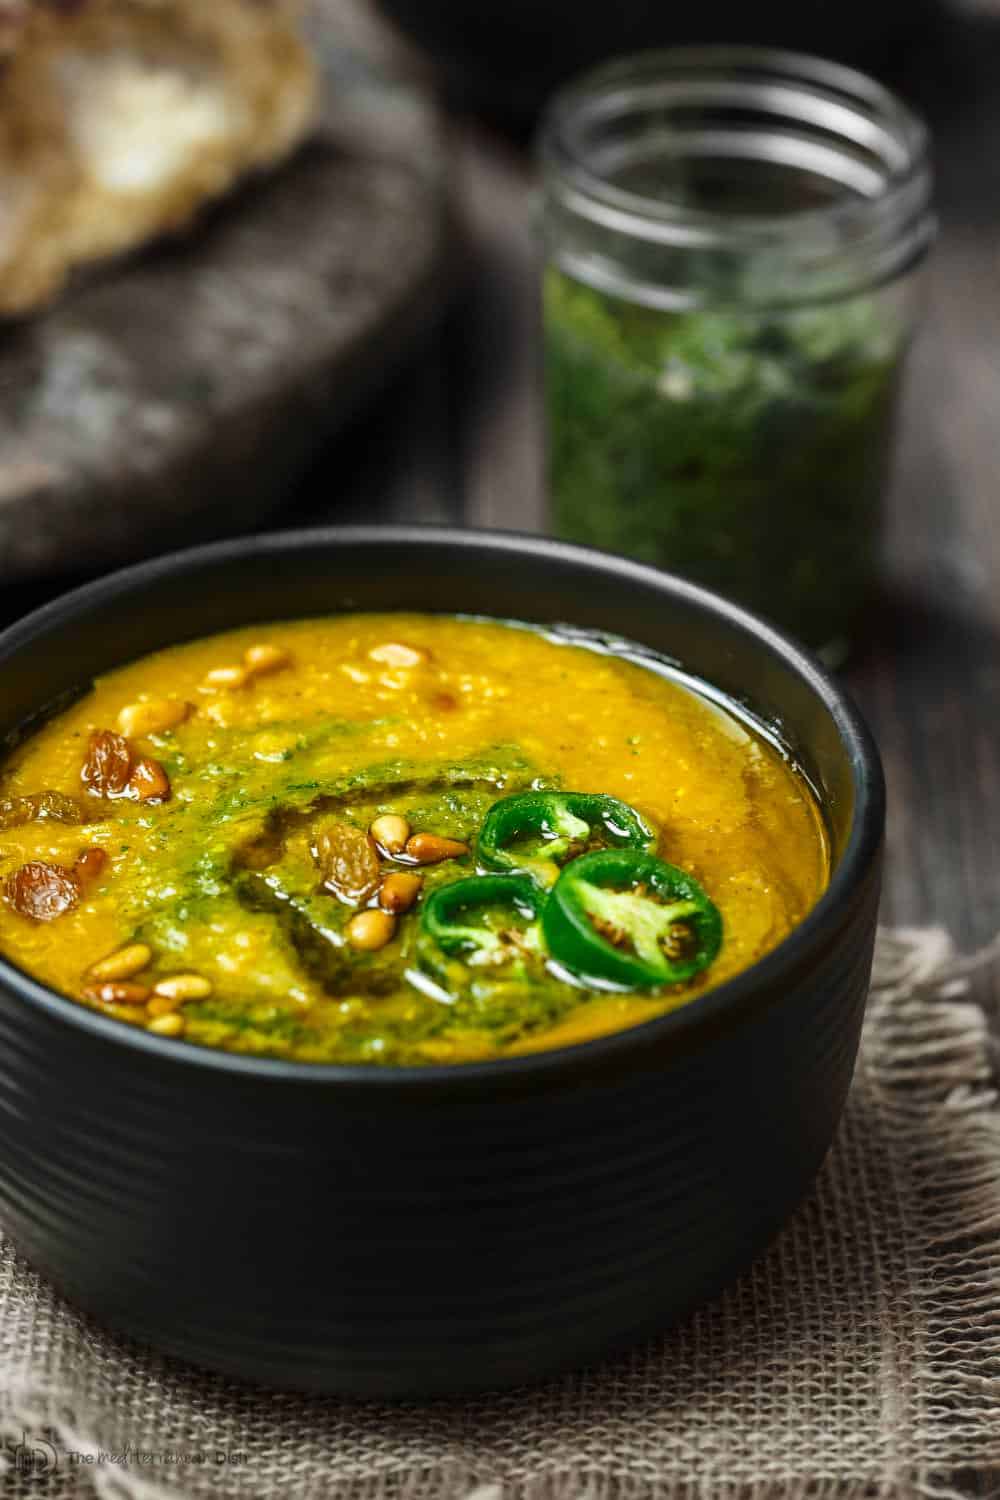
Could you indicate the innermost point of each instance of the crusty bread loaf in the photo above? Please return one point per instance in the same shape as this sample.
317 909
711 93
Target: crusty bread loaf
120 118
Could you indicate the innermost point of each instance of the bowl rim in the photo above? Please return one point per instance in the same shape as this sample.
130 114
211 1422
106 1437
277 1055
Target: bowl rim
861 850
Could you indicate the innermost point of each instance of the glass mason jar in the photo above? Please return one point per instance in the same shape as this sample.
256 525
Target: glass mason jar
732 236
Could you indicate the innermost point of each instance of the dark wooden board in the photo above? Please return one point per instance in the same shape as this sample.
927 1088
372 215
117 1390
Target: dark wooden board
179 394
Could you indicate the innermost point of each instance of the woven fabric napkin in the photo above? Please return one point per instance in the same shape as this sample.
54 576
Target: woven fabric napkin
859 1357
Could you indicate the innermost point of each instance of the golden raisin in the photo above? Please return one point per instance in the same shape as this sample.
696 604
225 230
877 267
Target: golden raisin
348 862
108 765
41 892
54 807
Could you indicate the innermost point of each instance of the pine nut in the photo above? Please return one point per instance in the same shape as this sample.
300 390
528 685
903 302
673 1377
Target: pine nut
140 719
395 654
183 987
390 832
262 659
89 865
149 782
169 1025
122 993
371 930
399 891
428 849
123 963
227 677
161 1006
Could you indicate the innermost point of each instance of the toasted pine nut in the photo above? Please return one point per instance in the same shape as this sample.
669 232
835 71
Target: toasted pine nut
390 832
168 1025
264 658
123 963
395 654
428 849
183 987
89 864
149 782
161 1006
371 930
399 891
122 993
227 677
140 719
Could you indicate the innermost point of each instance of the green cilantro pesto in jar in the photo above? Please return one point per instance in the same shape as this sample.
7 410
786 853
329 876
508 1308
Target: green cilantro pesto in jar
732 237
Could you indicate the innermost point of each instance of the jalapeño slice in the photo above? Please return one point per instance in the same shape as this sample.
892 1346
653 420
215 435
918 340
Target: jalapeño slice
464 917
630 921
539 831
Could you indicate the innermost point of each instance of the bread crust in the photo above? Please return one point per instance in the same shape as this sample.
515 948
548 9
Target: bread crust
120 119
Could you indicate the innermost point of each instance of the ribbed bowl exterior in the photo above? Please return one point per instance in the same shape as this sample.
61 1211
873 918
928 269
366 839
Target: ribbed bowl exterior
412 1232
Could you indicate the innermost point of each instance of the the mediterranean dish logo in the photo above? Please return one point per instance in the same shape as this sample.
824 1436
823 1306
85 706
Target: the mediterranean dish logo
33 1456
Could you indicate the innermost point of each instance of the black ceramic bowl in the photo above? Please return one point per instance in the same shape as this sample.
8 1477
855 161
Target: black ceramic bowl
418 1231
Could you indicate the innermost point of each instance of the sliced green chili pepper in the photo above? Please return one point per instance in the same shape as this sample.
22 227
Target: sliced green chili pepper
631 921
539 831
457 916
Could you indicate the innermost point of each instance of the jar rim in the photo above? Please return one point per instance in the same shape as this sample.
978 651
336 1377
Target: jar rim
853 106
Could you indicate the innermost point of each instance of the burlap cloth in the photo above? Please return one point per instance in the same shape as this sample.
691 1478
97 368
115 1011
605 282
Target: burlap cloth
859 1357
